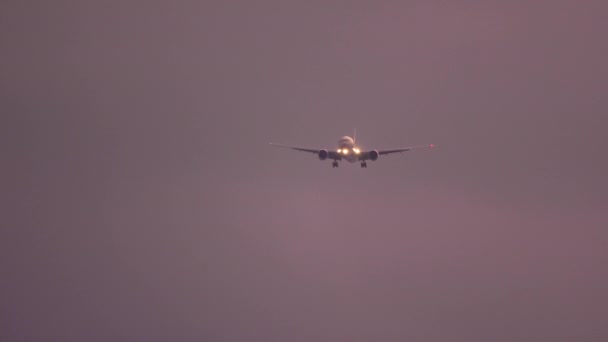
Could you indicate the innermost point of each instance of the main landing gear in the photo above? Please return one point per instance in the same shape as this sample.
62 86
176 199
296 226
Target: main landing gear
363 165
334 164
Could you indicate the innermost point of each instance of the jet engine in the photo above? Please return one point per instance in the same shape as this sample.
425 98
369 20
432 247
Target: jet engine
323 154
373 155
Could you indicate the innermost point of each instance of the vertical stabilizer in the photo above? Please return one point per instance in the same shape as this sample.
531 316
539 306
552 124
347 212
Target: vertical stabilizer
355 135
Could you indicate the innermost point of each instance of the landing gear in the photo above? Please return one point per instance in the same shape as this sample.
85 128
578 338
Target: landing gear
334 164
363 165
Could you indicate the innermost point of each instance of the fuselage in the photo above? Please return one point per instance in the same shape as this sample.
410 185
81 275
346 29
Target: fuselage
347 149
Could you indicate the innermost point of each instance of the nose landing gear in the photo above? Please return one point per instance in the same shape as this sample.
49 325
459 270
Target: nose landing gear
363 165
334 164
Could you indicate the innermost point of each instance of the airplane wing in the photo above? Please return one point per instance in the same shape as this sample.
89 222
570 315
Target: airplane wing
331 154
370 154
297 148
404 149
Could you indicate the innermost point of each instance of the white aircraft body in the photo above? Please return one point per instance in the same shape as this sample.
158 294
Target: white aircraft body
347 150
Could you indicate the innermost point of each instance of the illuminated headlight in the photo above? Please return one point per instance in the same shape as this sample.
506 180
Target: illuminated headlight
356 150
345 151
339 151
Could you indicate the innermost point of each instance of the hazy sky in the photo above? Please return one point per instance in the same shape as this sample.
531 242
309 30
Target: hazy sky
141 201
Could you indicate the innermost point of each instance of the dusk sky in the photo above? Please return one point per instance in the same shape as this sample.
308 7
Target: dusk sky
141 201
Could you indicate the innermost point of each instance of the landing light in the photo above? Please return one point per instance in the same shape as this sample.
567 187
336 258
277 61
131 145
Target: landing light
345 151
339 151
356 150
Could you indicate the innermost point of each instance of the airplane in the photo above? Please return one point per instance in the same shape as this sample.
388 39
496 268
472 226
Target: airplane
348 150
